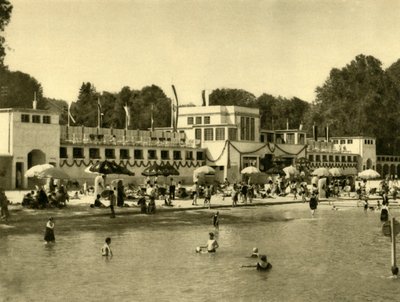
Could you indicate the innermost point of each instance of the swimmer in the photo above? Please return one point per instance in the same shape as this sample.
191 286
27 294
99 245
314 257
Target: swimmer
216 220
106 250
255 253
262 265
212 244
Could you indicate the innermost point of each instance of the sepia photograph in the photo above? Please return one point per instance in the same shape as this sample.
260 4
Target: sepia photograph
199 150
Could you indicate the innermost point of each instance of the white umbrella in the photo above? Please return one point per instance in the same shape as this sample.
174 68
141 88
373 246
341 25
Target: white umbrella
290 171
336 171
250 170
321 172
350 171
35 170
369 174
204 170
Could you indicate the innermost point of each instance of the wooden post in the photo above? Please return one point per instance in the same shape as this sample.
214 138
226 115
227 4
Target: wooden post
395 269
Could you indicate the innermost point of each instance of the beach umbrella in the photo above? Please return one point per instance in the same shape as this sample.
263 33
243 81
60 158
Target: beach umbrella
290 171
53 172
169 170
336 172
275 170
250 170
108 167
35 170
153 170
369 174
321 172
204 170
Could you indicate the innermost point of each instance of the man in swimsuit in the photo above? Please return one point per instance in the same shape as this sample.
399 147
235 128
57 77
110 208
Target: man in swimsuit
212 244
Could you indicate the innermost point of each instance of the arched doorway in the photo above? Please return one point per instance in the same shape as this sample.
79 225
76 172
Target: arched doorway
392 170
36 157
379 169
385 170
369 163
398 170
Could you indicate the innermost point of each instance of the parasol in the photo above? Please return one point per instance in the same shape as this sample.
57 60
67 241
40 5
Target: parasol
369 174
290 171
321 172
53 172
250 170
169 170
204 170
108 167
153 170
35 170
336 172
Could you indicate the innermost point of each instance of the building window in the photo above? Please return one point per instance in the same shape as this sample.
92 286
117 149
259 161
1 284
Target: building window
290 138
138 154
151 154
94 153
77 153
190 120
311 158
302 139
247 128
343 159
342 141
232 134
208 134
198 120
25 118
200 155
36 119
252 129
207 120
63 152
177 155
335 141
164 154
318 158
330 157
220 134
349 141
324 158
109 153
189 155
124 154
337 159
349 159
46 119
197 134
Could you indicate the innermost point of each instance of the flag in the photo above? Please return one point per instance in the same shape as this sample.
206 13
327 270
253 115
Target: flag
98 113
152 118
177 109
128 116
327 133
70 115
203 96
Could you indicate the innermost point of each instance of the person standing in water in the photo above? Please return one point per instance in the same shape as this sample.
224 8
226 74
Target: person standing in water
216 220
49 233
313 203
212 244
112 203
106 250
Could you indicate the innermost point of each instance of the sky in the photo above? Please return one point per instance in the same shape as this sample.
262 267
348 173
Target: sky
283 47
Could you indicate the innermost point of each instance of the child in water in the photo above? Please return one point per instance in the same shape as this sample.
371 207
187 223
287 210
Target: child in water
212 244
106 250
255 253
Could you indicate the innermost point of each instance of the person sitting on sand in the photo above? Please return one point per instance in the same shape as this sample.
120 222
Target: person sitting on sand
106 250
212 244
167 201
97 203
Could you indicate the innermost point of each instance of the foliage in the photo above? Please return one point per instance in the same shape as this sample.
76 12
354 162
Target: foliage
5 16
359 99
17 90
232 97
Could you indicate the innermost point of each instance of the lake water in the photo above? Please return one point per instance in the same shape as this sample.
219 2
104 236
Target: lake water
336 256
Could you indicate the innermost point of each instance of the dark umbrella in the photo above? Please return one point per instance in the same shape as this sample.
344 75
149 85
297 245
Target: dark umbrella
169 170
153 170
109 167
275 170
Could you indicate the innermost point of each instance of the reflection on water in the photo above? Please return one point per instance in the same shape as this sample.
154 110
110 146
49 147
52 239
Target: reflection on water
337 256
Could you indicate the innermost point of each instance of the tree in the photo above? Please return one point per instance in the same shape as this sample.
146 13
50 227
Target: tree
360 99
5 16
17 89
232 97
84 109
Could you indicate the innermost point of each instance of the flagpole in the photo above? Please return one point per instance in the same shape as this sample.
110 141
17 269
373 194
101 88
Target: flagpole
68 115
152 118
98 113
